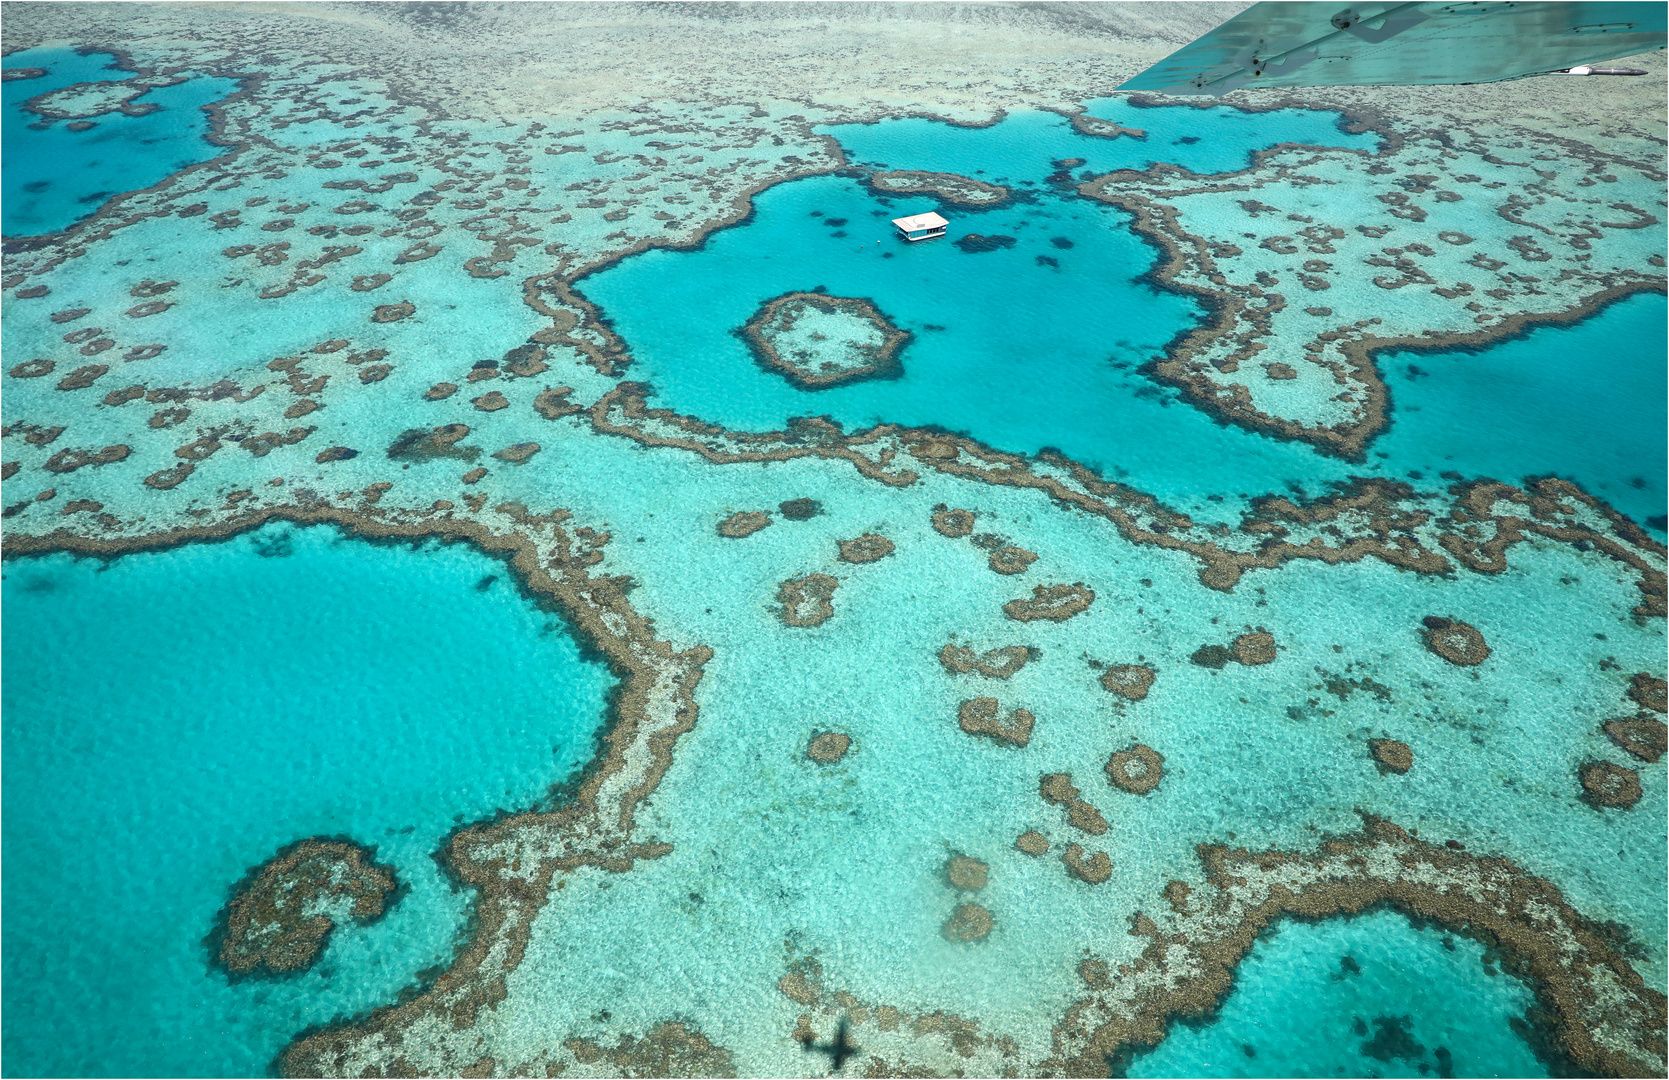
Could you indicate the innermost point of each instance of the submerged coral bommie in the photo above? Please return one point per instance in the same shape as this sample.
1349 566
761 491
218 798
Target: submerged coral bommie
807 601
1457 642
1056 603
282 918
865 549
817 341
1137 770
994 664
980 716
1129 681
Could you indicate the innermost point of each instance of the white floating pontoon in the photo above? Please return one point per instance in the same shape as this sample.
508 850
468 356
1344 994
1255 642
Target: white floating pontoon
921 226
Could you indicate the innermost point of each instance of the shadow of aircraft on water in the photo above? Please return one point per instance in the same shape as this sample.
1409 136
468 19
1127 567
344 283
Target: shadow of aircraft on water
839 1048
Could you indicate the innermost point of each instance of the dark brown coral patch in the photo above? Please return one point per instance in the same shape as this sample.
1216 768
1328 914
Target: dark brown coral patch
1641 736
1649 692
1128 681
82 377
969 922
517 453
1605 784
1056 603
867 548
336 453
1457 642
828 747
1032 842
440 391
66 461
32 369
276 918
1215 657
967 873
1137 770
993 664
1094 870
387 313
418 444
980 716
670 1048
1057 790
952 523
744 523
491 402
807 601
1011 560
166 479
800 509
1391 756
1257 647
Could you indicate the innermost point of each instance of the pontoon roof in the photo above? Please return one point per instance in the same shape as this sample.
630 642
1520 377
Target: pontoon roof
920 222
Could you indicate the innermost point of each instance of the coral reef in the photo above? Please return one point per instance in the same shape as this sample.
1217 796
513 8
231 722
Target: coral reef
952 523
1137 769
1457 642
1056 603
670 1048
1391 756
1257 647
1032 843
1011 560
281 917
950 187
969 922
1649 692
1128 681
1094 870
828 747
1057 790
743 523
867 548
1608 785
816 341
1641 736
993 664
966 873
807 601
979 716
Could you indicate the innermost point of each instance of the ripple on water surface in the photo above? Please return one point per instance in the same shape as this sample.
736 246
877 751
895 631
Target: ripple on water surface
173 719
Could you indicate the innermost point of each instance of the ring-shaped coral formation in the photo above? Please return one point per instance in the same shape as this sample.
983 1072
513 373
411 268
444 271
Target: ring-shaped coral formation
816 341
1137 770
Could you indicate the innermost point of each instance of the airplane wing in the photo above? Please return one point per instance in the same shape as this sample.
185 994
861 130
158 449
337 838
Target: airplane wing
1337 43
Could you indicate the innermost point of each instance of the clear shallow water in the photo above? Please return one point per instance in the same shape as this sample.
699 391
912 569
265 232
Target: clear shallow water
1039 344
55 177
172 719
1366 996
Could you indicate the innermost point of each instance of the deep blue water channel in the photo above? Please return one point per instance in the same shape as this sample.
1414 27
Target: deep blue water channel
171 720
53 177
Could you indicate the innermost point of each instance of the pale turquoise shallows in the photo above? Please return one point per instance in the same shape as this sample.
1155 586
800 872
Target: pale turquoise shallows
172 719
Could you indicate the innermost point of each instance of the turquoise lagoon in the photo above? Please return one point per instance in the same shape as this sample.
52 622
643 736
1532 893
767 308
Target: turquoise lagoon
56 177
172 719
1369 995
1039 344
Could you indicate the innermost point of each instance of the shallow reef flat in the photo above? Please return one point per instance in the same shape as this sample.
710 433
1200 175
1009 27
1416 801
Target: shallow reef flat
1078 646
